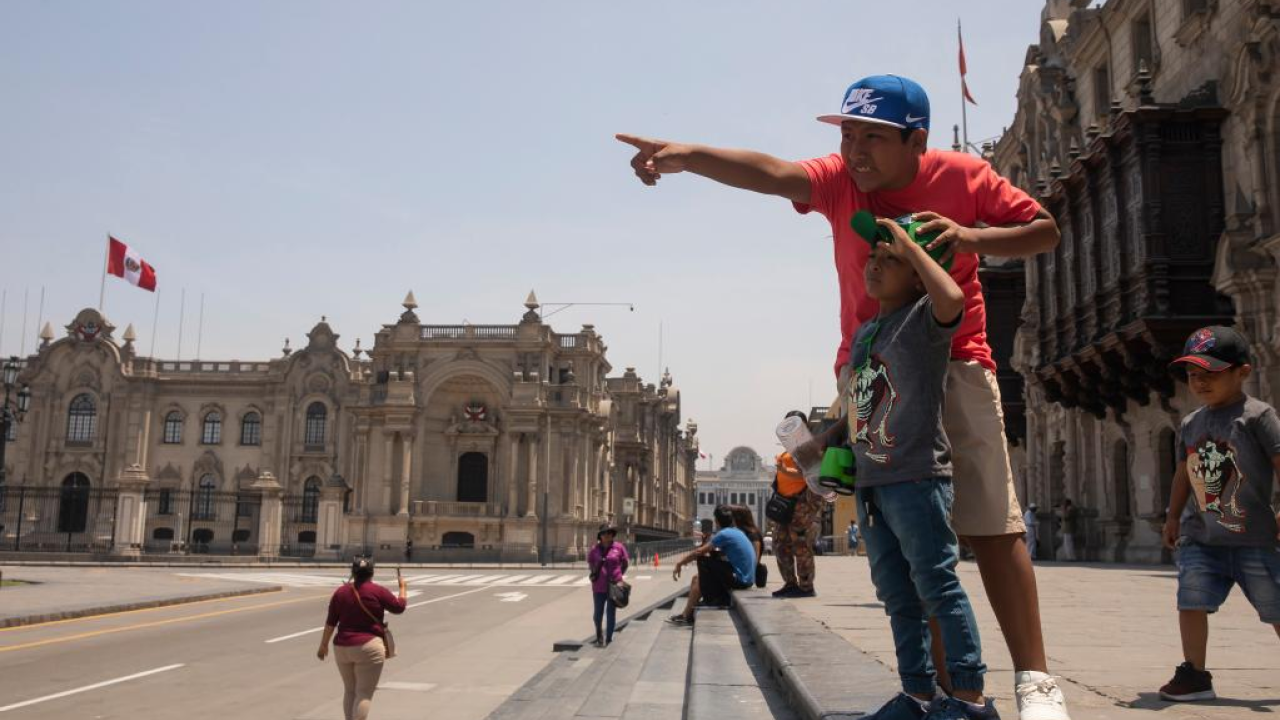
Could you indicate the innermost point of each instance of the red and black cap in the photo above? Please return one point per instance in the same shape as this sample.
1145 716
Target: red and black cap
1215 348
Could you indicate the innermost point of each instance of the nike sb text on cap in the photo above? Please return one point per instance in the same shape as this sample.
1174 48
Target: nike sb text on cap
886 100
1215 349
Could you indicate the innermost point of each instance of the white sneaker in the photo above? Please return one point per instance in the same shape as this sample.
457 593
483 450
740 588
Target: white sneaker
1039 697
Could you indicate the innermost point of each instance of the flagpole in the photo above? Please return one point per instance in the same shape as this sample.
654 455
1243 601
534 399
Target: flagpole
964 111
26 295
182 313
200 329
155 324
4 308
106 257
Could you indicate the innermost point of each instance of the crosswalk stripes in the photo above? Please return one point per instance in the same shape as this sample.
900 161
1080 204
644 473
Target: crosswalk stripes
492 579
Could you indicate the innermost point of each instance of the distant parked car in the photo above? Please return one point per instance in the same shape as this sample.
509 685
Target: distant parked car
768 543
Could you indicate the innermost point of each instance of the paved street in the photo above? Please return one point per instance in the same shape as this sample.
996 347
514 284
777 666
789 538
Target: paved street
469 639
1111 633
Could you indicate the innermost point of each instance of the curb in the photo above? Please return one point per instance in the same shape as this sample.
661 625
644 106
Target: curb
826 677
645 612
11 622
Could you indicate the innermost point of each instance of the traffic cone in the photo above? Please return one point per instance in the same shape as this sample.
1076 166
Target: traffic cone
655 559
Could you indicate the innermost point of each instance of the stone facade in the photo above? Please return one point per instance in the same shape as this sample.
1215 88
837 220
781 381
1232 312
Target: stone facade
1151 130
503 440
743 479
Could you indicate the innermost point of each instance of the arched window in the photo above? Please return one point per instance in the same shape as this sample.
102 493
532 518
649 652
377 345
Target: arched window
473 477
1167 449
307 537
240 536
458 540
165 504
82 419
317 414
73 504
251 429
311 500
173 428
211 434
204 499
162 533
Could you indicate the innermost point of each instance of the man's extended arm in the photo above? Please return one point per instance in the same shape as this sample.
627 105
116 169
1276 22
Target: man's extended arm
744 169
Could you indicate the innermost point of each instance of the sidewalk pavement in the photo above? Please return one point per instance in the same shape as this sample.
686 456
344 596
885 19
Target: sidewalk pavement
59 593
1111 632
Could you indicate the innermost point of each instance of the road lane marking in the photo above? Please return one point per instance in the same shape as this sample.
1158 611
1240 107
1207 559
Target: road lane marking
461 579
446 597
423 578
562 580
295 636
398 685
87 688
490 580
170 621
514 579
511 596
536 579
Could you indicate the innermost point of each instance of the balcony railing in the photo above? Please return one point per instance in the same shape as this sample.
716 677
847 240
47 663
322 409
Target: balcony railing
455 509
468 332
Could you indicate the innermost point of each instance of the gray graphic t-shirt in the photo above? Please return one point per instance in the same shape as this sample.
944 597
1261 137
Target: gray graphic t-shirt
895 396
1229 452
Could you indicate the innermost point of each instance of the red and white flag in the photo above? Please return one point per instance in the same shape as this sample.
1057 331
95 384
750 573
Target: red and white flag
123 261
964 68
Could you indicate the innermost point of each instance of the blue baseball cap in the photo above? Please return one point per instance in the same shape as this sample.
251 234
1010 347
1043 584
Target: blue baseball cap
886 100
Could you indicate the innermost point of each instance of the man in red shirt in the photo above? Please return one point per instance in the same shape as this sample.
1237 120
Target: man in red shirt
885 167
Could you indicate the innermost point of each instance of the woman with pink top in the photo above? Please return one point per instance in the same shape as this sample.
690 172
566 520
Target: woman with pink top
608 561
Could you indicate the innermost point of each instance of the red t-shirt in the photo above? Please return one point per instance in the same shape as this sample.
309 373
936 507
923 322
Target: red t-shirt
355 628
955 185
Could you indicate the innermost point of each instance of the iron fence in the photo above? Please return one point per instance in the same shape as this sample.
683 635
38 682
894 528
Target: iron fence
57 519
201 521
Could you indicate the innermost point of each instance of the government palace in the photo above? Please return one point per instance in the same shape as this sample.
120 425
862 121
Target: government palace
484 442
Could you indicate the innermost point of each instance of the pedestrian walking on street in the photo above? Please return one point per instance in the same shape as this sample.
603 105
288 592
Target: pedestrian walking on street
853 537
885 167
1033 529
608 562
793 539
357 612
1229 533
1068 523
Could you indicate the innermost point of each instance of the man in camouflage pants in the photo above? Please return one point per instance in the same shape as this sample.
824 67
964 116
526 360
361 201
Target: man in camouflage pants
793 546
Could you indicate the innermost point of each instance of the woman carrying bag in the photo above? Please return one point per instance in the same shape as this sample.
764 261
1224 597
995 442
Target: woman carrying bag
357 611
608 562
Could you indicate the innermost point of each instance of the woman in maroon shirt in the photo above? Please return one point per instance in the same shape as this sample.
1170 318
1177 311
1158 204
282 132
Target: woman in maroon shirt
359 649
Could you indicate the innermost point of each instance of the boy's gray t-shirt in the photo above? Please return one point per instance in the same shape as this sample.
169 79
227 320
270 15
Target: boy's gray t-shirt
1229 453
895 396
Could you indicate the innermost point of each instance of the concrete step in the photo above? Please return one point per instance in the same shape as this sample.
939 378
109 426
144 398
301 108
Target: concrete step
592 682
727 675
659 692
822 673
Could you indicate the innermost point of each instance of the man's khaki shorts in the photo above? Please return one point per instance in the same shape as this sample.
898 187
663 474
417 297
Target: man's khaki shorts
986 503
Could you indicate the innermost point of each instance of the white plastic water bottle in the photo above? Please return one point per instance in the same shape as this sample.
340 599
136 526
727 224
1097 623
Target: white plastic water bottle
794 434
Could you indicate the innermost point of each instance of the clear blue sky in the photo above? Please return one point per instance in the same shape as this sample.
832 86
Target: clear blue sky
296 159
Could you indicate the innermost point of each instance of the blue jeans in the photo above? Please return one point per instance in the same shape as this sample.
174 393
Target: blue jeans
1206 574
603 602
913 553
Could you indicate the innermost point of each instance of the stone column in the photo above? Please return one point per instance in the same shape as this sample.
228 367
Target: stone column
329 526
406 447
531 510
509 472
131 512
271 514
387 470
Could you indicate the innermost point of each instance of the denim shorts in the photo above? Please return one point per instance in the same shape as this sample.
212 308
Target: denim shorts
1207 573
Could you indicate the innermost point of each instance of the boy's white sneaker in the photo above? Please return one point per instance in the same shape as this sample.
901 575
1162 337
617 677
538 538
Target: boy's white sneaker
1039 697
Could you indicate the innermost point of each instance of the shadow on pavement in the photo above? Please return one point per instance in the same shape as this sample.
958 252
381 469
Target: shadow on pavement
1153 701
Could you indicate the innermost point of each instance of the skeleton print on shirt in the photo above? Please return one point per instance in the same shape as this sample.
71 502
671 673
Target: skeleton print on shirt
1216 480
874 396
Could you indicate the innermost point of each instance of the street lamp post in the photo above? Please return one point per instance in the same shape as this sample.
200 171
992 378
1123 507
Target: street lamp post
13 410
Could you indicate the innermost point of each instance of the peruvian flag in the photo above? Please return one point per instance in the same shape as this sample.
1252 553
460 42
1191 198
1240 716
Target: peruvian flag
964 67
123 261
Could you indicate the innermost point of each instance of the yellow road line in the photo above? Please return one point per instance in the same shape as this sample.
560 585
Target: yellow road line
139 610
109 631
